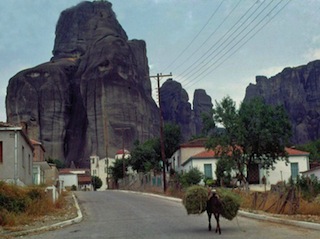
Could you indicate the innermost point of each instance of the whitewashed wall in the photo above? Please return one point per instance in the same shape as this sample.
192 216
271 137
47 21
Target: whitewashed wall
282 171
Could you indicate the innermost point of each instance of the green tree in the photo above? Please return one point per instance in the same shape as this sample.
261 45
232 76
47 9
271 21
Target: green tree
96 182
313 148
59 164
256 133
172 138
145 156
224 168
117 169
192 177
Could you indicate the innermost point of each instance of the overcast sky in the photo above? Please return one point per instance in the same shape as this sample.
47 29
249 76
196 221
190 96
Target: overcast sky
219 46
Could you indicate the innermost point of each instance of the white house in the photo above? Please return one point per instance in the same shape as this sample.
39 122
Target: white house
78 177
16 155
178 160
298 162
205 161
101 168
67 180
312 173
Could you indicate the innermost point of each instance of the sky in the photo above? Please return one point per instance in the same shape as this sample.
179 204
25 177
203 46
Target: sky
216 45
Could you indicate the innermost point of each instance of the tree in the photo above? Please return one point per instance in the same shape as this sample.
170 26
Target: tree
313 148
172 138
224 168
117 169
144 156
256 133
96 182
59 164
147 156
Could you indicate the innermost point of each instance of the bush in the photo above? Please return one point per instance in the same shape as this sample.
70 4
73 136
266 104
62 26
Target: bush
309 187
19 205
223 171
192 177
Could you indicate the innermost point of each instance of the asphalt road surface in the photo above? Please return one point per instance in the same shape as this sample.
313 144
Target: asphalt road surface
118 214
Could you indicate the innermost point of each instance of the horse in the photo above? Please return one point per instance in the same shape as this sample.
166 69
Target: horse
214 206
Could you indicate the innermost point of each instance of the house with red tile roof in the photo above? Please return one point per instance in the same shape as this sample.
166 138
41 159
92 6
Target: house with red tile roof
298 162
205 161
185 151
78 177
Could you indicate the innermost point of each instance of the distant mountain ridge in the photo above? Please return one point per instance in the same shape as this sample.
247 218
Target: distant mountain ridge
298 90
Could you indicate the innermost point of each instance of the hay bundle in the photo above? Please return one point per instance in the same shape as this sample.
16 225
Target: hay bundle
195 199
230 203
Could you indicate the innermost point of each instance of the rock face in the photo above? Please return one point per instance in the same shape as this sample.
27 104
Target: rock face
202 104
93 93
298 90
177 109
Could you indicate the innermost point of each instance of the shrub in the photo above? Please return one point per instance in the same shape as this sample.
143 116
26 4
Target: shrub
192 177
309 187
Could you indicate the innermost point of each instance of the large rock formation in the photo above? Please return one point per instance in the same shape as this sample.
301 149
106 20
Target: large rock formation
177 109
298 90
202 104
93 91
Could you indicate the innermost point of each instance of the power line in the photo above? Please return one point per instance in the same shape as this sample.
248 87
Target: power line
215 47
233 41
195 37
246 41
208 38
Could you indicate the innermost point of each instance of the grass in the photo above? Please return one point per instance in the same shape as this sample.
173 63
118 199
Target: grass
274 202
22 205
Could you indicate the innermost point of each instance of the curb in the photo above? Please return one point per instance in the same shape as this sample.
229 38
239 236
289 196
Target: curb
53 226
304 224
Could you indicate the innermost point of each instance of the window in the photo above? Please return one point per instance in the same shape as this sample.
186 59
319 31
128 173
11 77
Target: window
208 170
22 157
1 154
92 160
294 170
29 163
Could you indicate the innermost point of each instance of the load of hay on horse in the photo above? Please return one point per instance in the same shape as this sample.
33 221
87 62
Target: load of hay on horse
198 199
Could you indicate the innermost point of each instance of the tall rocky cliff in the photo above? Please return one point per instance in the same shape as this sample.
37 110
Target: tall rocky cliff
96 78
177 109
298 90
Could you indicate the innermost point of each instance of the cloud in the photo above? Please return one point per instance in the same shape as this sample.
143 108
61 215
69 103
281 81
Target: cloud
312 54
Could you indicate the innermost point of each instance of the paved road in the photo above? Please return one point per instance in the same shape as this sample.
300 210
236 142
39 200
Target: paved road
116 214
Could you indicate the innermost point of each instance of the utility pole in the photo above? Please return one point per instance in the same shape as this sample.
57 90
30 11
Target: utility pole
105 126
123 163
163 157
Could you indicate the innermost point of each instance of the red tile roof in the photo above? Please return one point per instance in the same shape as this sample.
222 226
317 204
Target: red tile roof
211 153
295 152
84 179
205 154
120 151
194 143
